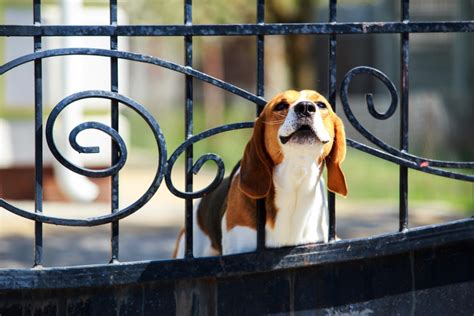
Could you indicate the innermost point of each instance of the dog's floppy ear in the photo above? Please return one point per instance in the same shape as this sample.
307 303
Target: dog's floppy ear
256 165
336 178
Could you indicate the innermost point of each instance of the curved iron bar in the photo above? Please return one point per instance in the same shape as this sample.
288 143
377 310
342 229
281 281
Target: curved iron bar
198 164
94 149
158 135
134 57
407 163
421 163
122 150
87 125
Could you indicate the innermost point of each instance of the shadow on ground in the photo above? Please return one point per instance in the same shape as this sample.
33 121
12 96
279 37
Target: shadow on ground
90 246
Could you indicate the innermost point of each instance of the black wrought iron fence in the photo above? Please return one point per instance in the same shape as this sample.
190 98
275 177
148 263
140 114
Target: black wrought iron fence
263 259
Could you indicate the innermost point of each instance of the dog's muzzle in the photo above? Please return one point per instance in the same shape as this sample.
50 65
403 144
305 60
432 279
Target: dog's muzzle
305 133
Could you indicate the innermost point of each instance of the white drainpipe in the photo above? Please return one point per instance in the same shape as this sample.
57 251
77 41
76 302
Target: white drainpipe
76 187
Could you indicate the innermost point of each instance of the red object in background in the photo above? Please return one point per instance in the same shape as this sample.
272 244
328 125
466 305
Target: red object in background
18 183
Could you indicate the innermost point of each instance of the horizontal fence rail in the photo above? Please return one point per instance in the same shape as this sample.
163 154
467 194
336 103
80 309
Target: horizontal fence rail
238 29
259 30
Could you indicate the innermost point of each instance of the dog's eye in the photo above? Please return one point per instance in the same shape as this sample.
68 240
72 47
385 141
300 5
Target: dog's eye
281 106
321 105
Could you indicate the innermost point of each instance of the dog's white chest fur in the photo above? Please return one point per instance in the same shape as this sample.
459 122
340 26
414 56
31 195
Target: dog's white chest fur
300 200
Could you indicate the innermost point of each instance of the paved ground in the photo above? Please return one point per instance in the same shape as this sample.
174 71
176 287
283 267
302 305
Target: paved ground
151 232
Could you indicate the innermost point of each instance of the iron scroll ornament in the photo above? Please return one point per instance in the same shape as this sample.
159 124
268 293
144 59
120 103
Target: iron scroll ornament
390 153
200 162
163 170
122 149
159 138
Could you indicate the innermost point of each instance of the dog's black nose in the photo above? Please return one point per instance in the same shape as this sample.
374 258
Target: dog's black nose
305 108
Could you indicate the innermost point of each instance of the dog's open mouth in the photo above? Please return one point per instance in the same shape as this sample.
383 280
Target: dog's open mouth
304 134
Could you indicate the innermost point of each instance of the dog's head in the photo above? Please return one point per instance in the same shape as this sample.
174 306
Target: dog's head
293 121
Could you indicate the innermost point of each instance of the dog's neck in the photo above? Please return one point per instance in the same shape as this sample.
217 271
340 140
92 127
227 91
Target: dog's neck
299 199
299 166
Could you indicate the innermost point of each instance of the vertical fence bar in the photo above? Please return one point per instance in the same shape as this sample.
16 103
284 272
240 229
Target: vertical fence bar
403 176
261 212
188 116
38 73
115 125
332 100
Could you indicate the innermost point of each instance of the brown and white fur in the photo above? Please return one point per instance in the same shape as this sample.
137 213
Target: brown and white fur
296 134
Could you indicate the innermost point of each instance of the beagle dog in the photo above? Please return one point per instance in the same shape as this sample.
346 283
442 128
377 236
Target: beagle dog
294 137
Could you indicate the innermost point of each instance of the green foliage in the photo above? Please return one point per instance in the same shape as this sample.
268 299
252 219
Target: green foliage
229 145
204 11
373 178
